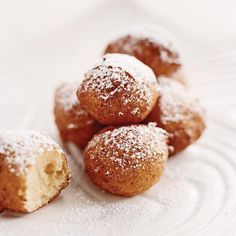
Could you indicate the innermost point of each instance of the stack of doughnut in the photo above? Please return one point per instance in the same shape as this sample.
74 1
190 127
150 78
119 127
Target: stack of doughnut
130 113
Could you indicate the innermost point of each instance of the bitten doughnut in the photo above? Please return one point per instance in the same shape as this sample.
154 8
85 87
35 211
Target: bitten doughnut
33 170
73 122
120 90
179 114
154 48
127 160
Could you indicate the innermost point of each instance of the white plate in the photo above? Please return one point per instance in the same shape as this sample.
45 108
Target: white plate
196 195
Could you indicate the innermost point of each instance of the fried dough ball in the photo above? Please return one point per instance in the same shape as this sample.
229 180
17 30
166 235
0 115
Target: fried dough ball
179 114
33 170
127 160
120 90
74 123
154 48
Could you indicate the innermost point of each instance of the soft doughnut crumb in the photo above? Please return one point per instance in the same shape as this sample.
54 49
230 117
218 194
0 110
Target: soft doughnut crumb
127 160
33 170
120 90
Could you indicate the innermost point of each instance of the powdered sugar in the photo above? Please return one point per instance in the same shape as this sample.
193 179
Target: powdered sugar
131 65
103 78
158 36
122 77
21 148
136 143
175 103
66 97
95 216
72 126
162 39
135 111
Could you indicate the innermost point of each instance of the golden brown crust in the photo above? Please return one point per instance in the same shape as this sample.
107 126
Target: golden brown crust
161 58
73 122
127 160
115 94
179 114
12 188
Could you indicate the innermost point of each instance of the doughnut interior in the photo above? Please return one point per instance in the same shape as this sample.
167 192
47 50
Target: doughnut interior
41 184
45 180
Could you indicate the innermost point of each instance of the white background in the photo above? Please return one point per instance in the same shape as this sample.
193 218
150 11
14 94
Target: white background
43 43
